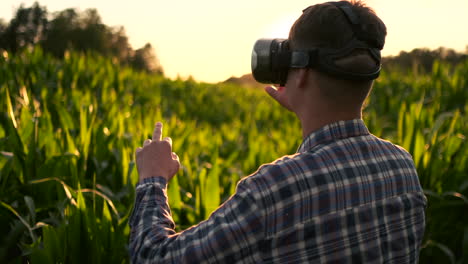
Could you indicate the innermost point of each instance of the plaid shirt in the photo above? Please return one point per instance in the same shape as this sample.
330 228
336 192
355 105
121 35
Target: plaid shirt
345 197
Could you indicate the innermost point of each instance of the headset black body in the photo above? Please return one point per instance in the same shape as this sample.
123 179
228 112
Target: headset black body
272 58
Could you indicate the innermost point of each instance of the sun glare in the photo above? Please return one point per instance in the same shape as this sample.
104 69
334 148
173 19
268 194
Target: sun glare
280 28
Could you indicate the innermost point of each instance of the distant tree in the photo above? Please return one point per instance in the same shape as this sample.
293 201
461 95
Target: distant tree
3 26
92 34
145 59
450 55
119 46
422 59
73 30
28 27
61 31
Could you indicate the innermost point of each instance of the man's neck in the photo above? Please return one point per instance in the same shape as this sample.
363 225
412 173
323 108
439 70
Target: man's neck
312 121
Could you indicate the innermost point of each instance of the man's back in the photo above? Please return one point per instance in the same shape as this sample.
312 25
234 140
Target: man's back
346 197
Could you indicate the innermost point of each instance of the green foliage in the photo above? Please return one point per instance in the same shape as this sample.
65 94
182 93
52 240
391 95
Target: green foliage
69 128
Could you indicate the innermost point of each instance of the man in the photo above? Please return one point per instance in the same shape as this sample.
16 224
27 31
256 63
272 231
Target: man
344 197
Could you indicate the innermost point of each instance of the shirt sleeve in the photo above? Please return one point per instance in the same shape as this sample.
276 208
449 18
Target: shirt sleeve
231 233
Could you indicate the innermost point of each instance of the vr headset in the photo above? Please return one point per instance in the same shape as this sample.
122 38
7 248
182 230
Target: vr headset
272 58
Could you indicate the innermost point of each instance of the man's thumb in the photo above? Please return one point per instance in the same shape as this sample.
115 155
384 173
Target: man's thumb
278 96
272 92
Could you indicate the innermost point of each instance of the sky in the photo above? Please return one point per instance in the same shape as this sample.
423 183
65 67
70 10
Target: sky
212 40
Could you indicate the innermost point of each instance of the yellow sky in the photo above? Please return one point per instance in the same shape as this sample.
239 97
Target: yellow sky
212 39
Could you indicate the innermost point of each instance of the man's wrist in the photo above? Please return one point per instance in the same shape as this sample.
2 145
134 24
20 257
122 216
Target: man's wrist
150 181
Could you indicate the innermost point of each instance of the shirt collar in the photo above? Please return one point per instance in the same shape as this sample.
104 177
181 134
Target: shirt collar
332 132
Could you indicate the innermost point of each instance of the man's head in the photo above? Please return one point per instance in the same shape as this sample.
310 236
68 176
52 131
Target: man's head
326 26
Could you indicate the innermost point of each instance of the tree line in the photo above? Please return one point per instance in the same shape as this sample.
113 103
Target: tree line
71 29
422 59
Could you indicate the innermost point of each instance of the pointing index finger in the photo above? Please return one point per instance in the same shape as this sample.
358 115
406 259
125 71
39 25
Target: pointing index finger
157 131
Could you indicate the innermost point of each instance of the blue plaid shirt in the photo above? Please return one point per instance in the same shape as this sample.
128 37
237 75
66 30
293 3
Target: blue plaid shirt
345 197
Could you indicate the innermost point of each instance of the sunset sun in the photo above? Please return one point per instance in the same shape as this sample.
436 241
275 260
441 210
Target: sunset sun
280 28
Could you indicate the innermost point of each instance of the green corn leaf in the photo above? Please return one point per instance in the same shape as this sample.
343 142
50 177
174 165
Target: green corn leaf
200 195
400 124
105 212
52 245
174 193
418 148
31 207
211 195
25 223
10 112
67 189
107 199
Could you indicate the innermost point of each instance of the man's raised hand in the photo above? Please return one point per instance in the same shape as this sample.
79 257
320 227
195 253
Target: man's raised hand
279 95
156 158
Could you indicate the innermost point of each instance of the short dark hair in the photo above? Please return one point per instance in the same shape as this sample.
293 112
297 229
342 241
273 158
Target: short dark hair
325 25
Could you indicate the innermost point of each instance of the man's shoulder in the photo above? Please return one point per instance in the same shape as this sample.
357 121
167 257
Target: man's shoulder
392 146
352 148
277 172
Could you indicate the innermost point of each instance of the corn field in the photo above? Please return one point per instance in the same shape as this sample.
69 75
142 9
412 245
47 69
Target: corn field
69 128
